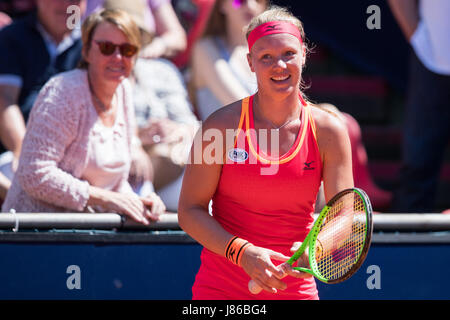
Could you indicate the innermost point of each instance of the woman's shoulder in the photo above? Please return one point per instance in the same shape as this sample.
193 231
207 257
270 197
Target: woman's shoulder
225 118
67 84
330 125
327 117
62 94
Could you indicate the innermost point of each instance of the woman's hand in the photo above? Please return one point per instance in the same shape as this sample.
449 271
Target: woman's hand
265 274
161 130
257 263
140 210
303 261
155 206
141 169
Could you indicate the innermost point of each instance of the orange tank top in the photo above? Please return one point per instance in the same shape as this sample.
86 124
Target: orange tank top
267 200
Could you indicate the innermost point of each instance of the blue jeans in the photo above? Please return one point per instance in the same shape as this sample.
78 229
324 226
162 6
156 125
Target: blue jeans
426 135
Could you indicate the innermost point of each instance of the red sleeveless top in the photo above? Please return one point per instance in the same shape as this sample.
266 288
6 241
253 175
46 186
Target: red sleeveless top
266 200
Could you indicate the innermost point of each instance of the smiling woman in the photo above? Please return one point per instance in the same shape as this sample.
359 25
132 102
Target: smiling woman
263 203
77 152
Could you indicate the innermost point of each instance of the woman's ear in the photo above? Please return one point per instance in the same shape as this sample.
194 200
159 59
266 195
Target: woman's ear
303 55
249 60
84 53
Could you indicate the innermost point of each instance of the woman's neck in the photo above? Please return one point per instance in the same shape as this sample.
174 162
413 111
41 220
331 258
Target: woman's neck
276 111
101 91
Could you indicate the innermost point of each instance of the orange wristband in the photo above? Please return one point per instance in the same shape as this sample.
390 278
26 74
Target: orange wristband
235 248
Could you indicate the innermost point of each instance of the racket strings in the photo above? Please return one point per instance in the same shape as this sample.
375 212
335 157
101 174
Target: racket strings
341 237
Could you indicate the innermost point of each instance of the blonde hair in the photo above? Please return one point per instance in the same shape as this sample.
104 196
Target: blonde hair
275 13
122 20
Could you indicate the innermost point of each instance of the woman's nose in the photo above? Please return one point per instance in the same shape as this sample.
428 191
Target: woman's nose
280 63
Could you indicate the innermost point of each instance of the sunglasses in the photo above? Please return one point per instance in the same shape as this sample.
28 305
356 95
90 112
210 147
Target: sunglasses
108 48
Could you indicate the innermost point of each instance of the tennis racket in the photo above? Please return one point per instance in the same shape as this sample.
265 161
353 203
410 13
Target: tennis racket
339 239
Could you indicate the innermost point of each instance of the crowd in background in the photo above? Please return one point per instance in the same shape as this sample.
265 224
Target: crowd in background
61 120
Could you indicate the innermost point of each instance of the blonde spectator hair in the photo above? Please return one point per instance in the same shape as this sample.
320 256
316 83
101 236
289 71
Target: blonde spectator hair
122 20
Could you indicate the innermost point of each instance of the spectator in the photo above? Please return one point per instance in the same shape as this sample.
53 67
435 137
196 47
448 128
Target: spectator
169 37
33 49
164 114
76 153
4 186
220 72
13 9
426 134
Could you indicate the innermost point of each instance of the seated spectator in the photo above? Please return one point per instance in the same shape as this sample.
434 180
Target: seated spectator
13 9
164 115
159 18
219 69
4 186
33 49
76 153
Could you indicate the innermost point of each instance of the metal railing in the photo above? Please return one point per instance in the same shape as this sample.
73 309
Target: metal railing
17 221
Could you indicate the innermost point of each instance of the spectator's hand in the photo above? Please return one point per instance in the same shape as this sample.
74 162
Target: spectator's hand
141 169
161 131
129 204
156 49
257 263
4 20
155 206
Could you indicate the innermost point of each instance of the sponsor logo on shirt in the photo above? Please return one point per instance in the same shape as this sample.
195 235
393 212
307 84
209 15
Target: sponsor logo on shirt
237 155
308 166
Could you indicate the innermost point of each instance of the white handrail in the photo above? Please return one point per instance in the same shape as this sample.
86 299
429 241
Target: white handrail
382 221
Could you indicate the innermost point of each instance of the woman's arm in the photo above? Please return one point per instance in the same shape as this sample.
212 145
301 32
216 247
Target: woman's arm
406 12
171 37
211 70
335 149
52 127
4 186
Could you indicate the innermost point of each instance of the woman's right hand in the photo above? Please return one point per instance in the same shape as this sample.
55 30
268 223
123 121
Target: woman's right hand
257 263
129 205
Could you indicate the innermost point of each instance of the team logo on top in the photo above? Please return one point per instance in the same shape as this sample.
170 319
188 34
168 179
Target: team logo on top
237 155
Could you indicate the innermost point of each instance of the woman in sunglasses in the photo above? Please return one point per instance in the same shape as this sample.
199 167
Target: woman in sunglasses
220 73
76 155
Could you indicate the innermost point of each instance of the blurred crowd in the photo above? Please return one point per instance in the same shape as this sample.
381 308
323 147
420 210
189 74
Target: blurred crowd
101 117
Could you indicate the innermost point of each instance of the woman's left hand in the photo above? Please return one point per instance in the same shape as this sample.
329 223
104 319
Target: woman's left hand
141 169
155 206
303 261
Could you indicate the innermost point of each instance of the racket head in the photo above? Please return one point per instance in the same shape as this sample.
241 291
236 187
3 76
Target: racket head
341 236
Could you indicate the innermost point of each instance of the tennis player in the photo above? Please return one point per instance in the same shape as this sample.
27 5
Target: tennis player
264 191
